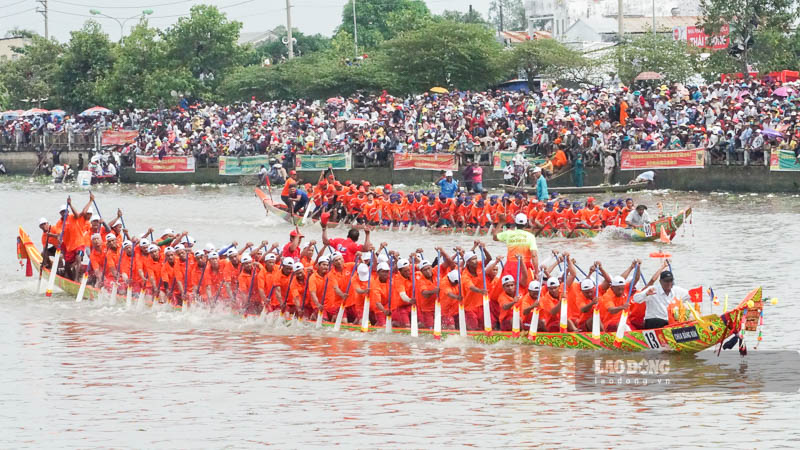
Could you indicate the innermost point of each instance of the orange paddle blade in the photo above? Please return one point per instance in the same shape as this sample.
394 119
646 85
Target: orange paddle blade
664 238
660 255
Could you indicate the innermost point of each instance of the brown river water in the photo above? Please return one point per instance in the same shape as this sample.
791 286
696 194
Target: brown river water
89 375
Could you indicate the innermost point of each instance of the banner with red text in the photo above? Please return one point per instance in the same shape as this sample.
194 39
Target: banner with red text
697 37
430 161
169 164
671 159
119 137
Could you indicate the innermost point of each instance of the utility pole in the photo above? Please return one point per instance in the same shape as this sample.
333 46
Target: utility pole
501 16
469 17
289 28
619 19
43 12
355 31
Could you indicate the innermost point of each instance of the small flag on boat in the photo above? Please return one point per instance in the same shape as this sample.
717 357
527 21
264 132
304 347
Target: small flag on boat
696 294
664 238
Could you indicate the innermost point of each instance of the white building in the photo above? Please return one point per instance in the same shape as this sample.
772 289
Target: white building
7 46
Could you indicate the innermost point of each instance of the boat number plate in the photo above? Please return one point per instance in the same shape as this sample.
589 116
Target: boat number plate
651 339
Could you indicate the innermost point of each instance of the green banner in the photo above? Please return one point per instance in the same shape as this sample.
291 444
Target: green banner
501 159
242 165
339 161
783 160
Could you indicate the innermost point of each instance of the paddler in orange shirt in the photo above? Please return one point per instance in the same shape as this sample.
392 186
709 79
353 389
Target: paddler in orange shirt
130 267
427 294
624 211
214 285
472 282
96 256
591 215
109 268
50 235
507 299
167 288
248 299
610 213
319 288
614 300
574 216
586 297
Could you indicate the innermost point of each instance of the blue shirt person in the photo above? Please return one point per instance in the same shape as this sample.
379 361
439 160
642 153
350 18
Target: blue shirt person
448 185
541 185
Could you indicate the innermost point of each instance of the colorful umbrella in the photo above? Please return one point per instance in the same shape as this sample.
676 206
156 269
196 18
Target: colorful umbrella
782 91
357 121
769 132
648 76
96 111
58 112
336 100
34 112
439 90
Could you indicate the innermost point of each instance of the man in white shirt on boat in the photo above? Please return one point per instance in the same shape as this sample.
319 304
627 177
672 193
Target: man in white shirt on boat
657 298
638 217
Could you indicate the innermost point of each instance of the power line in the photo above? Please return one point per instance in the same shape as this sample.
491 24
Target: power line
12 4
123 7
18 13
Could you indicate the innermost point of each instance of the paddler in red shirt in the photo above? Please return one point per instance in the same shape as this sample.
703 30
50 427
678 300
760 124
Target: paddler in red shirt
349 246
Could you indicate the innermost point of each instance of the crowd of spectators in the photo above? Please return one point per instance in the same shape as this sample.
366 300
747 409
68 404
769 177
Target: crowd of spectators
735 121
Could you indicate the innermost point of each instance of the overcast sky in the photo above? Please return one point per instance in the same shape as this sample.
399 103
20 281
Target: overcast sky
310 16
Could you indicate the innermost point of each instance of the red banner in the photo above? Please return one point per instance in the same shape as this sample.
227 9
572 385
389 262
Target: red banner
119 137
672 159
170 164
697 37
431 161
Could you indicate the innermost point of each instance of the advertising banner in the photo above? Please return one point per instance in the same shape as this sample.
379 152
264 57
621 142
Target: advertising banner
422 161
245 165
118 137
672 159
783 161
169 164
339 161
502 159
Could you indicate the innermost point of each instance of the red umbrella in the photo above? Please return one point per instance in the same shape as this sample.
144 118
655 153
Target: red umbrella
34 112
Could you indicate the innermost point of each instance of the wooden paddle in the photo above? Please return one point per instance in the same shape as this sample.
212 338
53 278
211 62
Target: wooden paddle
322 302
437 309
56 260
414 318
389 307
487 315
338 324
365 313
515 317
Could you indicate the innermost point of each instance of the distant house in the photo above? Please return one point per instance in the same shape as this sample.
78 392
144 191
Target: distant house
8 46
511 38
606 28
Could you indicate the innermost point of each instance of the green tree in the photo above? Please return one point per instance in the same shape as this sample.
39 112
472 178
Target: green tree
87 59
514 17
745 18
674 60
305 44
471 16
33 74
205 43
545 58
381 20
141 75
462 56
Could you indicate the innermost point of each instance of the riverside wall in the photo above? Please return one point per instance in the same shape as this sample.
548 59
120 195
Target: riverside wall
713 178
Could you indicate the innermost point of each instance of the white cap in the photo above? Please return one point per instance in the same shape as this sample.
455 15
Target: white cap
210 247
552 282
213 255
534 285
179 247
189 240
96 236
42 221
383 266
453 275
246 259
363 272
520 219
324 259
288 262
537 170
93 217
198 253
62 208
336 255
424 263
470 255
383 258
168 231
269 257
587 284
152 248
297 266
507 279
110 236
144 243
449 173
618 281
169 250
127 244
366 257
402 263
231 251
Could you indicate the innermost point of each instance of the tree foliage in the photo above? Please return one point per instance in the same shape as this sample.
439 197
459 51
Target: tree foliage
674 60
546 58
470 16
381 20
87 59
461 56
32 75
514 17
305 44
745 18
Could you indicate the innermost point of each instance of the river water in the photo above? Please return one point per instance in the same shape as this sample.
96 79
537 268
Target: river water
88 375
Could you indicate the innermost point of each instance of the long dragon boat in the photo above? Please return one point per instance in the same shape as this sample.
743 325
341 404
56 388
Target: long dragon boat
688 336
646 233
598 189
